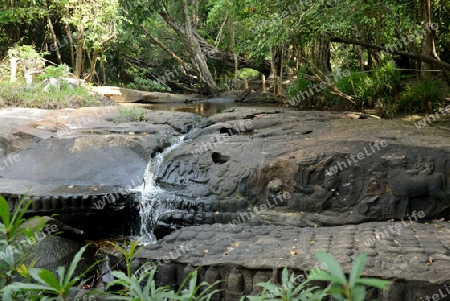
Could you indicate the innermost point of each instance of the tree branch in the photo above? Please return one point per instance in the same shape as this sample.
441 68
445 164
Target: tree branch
417 56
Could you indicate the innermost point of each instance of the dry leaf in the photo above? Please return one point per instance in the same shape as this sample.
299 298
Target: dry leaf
293 253
70 186
312 242
414 229
205 251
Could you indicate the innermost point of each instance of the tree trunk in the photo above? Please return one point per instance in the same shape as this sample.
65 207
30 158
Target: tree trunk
233 45
322 53
212 53
428 48
276 63
97 51
72 55
80 46
93 62
198 57
55 39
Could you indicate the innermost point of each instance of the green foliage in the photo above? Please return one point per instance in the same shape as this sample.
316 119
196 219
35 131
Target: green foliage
55 72
17 95
341 288
423 95
301 84
146 84
128 252
194 292
135 292
142 286
132 113
27 58
248 73
370 87
13 228
47 283
26 52
290 290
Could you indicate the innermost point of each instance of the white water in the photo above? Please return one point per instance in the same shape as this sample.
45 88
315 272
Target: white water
154 200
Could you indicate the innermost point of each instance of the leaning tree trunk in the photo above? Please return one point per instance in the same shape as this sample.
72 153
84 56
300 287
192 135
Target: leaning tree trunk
213 53
428 47
55 39
198 59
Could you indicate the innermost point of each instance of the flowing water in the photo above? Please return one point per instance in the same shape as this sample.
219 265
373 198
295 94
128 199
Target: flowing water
153 200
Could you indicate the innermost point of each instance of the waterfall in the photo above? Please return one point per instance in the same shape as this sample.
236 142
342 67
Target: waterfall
153 200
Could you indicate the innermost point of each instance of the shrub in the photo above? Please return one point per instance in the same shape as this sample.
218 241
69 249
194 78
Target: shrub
146 84
422 95
13 229
132 113
17 95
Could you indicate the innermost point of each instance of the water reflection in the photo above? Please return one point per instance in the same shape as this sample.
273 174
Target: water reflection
206 107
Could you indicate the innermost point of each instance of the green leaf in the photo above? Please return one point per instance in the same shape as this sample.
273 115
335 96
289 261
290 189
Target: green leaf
324 276
358 293
48 278
4 212
333 266
377 283
73 265
357 268
28 286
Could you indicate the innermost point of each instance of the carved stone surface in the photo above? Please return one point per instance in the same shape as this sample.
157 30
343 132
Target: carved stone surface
413 255
336 169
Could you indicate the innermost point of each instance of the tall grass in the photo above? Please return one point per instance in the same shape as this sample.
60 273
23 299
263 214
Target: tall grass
18 95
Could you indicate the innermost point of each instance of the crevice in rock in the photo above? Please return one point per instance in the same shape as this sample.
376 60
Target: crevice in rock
219 159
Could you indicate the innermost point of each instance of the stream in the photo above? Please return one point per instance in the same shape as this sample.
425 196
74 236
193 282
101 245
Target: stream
154 200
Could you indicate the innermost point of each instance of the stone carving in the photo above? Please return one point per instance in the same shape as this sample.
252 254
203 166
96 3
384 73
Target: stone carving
320 196
421 181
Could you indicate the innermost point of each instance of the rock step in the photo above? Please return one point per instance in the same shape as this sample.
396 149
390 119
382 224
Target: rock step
70 203
415 256
98 215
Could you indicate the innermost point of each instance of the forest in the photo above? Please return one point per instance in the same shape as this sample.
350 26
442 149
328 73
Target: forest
391 56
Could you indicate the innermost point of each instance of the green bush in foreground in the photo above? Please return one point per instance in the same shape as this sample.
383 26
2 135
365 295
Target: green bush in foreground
12 230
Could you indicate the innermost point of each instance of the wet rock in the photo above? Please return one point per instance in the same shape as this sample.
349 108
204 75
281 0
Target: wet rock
82 163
